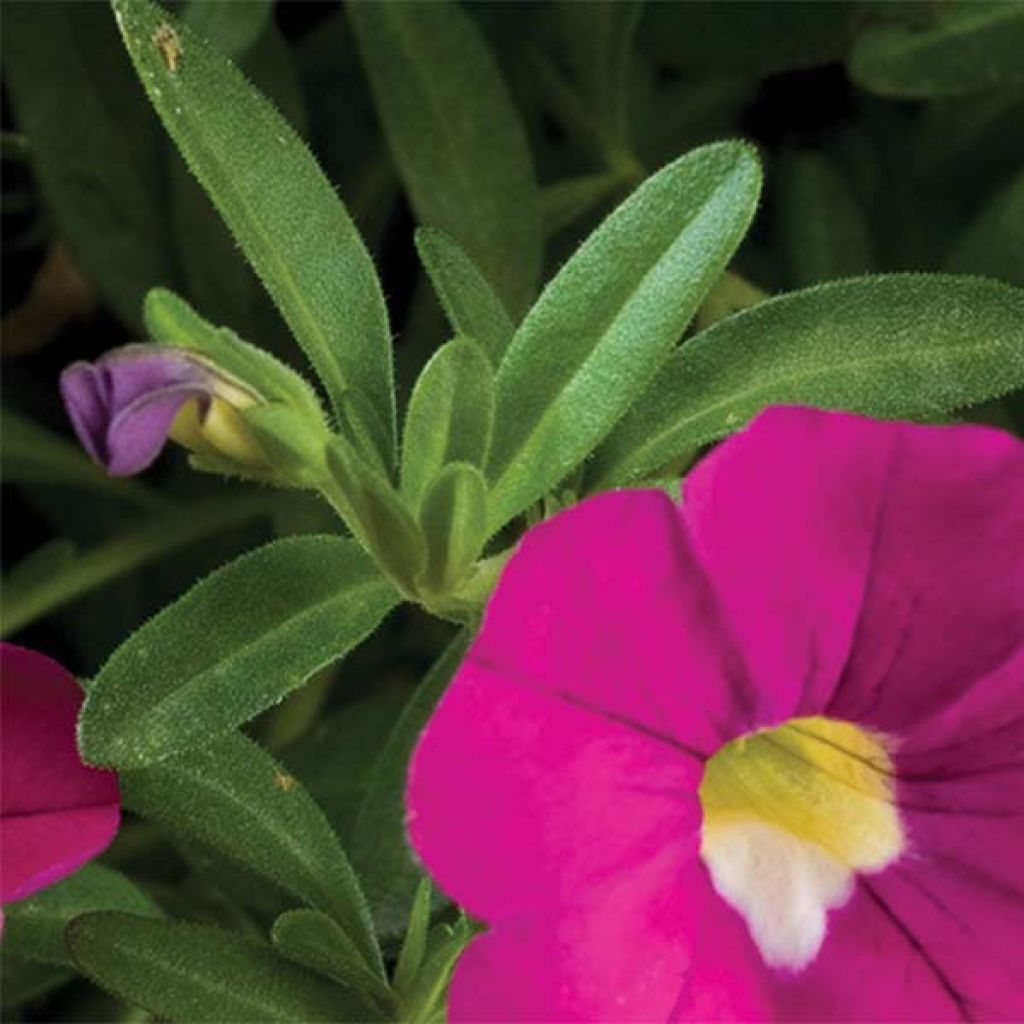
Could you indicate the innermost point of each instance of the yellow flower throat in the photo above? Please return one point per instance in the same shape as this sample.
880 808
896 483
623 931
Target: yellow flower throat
790 815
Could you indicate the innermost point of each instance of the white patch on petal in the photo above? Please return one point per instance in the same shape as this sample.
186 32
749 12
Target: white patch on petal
781 884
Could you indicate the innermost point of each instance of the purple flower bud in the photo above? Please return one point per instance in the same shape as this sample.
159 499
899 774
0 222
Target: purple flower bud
125 406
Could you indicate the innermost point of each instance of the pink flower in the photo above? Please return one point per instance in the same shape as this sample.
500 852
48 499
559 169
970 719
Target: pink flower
57 812
760 756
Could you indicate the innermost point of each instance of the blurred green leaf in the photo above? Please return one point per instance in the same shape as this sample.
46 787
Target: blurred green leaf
703 36
34 928
316 941
261 177
31 454
192 972
565 201
380 852
453 518
95 146
595 45
233 26
603 326
469 302
31 593
235 799
993 244
968 47
456 136
823 231
28 980
335 757
450 415
888 346
232 646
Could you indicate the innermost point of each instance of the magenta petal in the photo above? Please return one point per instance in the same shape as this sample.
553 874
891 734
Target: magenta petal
623 953
782 518
870 968
605 606
944 609
57 812
122 407
517 799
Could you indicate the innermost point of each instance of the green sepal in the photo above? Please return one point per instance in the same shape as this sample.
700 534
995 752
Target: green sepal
376 514
450 415
453 519
170 320
414 946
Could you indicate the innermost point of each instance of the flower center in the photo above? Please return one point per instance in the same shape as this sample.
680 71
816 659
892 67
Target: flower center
790 814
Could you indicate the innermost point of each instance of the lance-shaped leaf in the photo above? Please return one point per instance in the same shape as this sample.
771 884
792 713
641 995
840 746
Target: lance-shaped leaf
380 851
468 300
450 415
192 972
34 928
278 204
605 324
232 646
456 136
316 941
236 799
893 346
965 48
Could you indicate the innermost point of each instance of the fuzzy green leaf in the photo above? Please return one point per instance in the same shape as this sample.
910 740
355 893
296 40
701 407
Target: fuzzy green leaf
966 48
318 942
34 928
231 647
191 972
450 415
453 518
893 346
278 204
609 319
456 136
469 301
380 851
237 800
